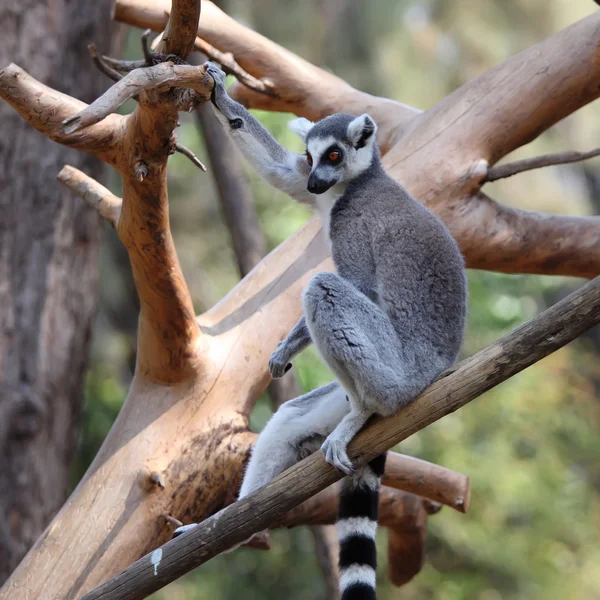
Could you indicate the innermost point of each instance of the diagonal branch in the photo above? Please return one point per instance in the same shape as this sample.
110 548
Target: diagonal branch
546 160
544 334
451 140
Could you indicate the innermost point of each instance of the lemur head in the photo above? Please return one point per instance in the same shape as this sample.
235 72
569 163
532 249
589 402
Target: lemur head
338 148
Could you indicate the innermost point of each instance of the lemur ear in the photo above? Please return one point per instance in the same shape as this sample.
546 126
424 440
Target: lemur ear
301 127
361 130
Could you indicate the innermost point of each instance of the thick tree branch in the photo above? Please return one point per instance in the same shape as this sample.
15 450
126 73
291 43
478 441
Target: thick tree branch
96 195
406 541
180 31
404 473
500 238
45 109
544 334
455 139
322 508
546 160
428 480
294 80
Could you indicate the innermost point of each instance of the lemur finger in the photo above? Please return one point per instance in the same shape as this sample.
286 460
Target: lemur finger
183 529
287 367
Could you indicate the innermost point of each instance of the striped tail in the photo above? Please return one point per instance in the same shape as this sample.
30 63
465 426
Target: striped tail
357 525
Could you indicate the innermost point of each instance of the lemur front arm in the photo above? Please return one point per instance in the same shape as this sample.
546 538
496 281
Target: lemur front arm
297 340
287 171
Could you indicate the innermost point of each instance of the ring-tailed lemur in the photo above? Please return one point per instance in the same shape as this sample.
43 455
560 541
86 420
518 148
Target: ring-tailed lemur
387 324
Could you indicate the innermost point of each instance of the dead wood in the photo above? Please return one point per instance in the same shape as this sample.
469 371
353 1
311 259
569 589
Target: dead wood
546 160
537 338
186 415
515 101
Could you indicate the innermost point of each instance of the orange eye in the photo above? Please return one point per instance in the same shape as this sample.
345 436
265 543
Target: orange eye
333 155
309 159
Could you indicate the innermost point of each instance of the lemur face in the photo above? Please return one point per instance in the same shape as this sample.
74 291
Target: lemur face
338 149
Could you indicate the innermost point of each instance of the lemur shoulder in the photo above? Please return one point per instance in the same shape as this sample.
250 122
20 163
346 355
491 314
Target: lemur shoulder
387 323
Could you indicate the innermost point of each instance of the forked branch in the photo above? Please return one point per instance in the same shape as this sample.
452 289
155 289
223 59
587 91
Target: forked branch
546 160
544 334
514 102
45 109
161 77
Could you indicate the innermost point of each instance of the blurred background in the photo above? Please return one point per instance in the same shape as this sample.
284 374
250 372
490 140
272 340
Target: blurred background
531 447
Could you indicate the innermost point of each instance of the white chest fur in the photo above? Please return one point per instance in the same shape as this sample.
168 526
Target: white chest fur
325 203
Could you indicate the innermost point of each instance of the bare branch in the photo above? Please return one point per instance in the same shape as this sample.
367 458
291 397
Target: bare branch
406 542
96 195
101 64
162 76
145 48
189 154
428 480
322 509
231 67
496 237
511 104
546 160
124 65
404 473
180 31
294 79
544 334
46 109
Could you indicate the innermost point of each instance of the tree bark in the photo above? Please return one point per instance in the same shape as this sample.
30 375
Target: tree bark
48 275
178 446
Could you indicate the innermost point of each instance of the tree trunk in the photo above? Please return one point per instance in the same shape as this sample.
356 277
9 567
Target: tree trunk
48 254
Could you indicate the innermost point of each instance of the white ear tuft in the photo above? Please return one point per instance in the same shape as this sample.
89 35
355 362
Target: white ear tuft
301 127
361 130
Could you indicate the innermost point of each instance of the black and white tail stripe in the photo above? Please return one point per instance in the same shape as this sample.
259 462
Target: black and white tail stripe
357 525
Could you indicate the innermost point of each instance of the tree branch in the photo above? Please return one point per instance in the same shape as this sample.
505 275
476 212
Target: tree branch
546 160
500 238
163 76
427 480
180 31
404 473
455 139
406 541
294 79
544 334
96 195
322 508
46 109
231 67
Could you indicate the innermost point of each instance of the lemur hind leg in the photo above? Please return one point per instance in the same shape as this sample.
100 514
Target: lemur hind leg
358 342
297 427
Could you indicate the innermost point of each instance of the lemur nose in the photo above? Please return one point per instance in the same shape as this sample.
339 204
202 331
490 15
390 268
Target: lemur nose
317 185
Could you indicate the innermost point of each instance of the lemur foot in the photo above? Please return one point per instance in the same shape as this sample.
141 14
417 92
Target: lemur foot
336 455
279 362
